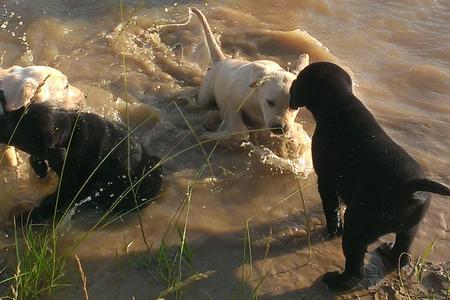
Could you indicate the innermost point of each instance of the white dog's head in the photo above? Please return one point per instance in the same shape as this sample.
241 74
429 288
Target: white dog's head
272 93
20 85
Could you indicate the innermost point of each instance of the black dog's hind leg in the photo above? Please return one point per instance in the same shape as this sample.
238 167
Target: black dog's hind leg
39 166
392 255
330 203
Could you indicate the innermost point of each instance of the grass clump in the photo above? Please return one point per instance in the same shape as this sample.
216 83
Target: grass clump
168 264
411 279
39 269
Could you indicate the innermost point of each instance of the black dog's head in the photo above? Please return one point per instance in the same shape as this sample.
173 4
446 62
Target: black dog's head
319 85
23 127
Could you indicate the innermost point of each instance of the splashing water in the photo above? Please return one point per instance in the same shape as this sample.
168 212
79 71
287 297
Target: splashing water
290 152
65 222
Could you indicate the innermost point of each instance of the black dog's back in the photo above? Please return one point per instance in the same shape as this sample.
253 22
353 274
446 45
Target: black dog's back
352 147
121 169
357 162
94 158
348 142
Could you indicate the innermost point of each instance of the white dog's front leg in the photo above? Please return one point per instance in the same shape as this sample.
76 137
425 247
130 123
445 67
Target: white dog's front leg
233 133
236 128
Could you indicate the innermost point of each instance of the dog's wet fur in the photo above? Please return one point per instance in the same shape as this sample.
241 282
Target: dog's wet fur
248 94
85 139
356 162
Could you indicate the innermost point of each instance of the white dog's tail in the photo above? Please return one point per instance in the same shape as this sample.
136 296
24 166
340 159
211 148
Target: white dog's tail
214 50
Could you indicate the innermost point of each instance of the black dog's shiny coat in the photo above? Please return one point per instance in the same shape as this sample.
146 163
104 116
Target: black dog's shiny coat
45 133
358 163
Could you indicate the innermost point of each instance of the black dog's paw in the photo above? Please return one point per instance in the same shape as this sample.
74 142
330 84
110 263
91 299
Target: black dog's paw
340 281
390 258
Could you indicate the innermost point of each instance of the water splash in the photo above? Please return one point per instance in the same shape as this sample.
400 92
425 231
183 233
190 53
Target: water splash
289 152
65 221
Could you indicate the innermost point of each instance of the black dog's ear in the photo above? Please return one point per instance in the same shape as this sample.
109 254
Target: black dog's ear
292 92
295 100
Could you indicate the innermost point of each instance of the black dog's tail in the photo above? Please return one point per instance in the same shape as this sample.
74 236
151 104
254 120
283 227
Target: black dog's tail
426 185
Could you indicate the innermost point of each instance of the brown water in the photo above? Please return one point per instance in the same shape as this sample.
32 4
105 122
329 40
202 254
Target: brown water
398 52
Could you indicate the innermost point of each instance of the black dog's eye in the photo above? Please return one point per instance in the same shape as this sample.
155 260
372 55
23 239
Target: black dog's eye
270 102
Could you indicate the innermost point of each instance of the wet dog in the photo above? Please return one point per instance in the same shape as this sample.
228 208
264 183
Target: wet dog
94 158
40 83
356 162
43 84
244 90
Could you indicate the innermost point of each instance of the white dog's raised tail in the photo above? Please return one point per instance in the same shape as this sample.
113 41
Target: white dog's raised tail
214 49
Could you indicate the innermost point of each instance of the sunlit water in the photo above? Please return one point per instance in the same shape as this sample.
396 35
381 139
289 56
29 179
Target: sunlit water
397 51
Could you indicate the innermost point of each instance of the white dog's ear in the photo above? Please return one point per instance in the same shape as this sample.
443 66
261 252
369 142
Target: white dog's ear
302 62
24 94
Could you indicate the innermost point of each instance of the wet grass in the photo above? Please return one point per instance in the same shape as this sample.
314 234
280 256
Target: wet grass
34 277
40 265
420 263
416 274
172 263
247 269
247 274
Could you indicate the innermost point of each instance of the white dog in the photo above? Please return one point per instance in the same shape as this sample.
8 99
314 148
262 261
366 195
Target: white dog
40 84
248 94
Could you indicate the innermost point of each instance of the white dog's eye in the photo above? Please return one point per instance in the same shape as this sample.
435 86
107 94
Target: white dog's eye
271 103
67 86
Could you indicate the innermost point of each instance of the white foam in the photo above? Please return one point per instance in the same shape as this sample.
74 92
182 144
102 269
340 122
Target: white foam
300 166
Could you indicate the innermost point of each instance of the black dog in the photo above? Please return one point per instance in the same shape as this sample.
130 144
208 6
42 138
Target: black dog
357 162
74 145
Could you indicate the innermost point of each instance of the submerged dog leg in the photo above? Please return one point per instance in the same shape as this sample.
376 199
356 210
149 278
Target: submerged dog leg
330 203
236 127
45 209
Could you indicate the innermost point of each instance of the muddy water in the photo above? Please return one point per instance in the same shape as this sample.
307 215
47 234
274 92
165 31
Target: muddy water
398 52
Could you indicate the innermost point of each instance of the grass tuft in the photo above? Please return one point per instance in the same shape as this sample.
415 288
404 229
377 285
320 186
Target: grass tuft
40 269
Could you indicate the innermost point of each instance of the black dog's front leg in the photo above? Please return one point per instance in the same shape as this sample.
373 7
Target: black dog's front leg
357 236
330 203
